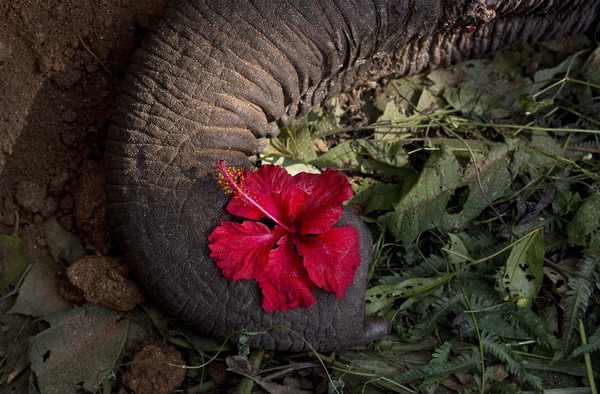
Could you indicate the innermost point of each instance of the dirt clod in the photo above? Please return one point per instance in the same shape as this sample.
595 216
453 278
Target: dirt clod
104 281
33 197
144 376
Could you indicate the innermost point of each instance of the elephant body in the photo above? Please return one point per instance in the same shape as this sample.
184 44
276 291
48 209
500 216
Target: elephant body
212 80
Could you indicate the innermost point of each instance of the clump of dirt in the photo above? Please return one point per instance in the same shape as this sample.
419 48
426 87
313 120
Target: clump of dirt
150 372
104 281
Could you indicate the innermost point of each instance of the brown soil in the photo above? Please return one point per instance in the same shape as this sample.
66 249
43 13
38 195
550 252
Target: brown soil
61 64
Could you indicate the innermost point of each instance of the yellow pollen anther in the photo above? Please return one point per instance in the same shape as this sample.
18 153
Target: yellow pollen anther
231 180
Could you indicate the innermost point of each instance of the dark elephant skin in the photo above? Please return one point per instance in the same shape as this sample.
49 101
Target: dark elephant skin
213 79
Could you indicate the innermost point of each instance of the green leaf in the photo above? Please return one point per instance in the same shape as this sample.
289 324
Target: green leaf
463 362
548 73
469 98
536 325
522 275
12 258
383 197
584 229
441 308
457 252
79 350
382 297
576 303
530 105
341 156
504 353
292 166
368 155
592 345
424 206
441 78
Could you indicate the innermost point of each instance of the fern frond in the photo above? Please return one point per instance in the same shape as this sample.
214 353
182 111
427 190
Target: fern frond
490 344
576 302
442 353
430 266
441 308
479 302
409 273
535 325
592 345
463 362
501 324
505 387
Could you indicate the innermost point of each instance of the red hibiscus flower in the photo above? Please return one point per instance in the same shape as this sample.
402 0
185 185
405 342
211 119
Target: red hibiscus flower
294 247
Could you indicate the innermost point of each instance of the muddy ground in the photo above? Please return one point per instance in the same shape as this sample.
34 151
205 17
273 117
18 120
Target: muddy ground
61 65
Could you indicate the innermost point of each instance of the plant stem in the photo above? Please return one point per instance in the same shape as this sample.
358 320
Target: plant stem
255 359
586 358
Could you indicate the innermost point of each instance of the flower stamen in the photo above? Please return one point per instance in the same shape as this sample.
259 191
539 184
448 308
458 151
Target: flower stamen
232 178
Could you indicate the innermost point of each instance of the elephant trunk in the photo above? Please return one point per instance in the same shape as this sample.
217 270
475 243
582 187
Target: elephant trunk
212 80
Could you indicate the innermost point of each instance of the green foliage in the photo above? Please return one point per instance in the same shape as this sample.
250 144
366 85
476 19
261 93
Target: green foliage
593 345
584 229
521 278
12 258
425 205
577 300
462 362
439 310
491 344
529 320
480 185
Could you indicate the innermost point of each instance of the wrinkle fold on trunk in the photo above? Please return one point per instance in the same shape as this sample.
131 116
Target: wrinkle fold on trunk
212 80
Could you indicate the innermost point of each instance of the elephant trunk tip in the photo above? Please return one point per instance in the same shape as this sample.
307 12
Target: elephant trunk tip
375 327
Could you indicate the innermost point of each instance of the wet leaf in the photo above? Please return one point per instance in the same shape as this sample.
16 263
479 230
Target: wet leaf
79 350
521 277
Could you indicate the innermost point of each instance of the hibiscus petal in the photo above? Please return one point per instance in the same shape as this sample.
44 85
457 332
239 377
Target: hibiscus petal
242 250
319 207
285 283
331 258
271 187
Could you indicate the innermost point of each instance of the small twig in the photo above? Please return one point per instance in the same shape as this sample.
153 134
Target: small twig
582 149
18 285
94 56
282 370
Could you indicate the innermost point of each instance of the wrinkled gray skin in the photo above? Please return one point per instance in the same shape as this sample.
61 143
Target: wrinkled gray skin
214 78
